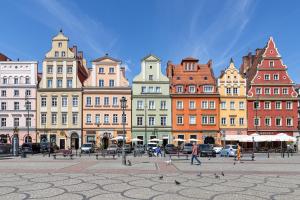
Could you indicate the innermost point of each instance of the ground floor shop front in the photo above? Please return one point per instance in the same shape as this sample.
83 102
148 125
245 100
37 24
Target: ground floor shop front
164 136
200 137
23 135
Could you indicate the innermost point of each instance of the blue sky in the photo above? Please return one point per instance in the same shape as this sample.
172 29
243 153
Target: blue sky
171 29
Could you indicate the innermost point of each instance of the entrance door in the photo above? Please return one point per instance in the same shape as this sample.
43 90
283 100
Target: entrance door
62 144
209 140
74 141
105 142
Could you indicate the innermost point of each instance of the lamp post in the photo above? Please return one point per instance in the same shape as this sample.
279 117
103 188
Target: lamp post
256 126
123 106
146 122
27 120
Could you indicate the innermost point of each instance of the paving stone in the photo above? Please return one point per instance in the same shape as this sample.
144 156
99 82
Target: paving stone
141 193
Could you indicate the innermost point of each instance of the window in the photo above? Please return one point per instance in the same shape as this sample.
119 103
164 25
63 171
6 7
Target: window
256 105
43 101
276 91
16 122
28 105
75 101
3 105
59 70
179 105
278 105
88 101
256 122
101 83
232 121
241 105
28 122
163 121
271 63
278 121
179 119
179 89
64 118
49 69
204 105
192 89
150 77
16 106
139 121
49 83
54 101
151 105
3 93
124 118
74 118
97 101
97 118
69 83
115 101
4 81
163 105
16 80
63 54
111 70
258 90
267 90
268 105
192 119
276 77
285 90
28 93
3 122
16 93
64 101
204 120
111 83
69 69
267 77
158 90
140 104
151 121
267 121
88 118
228 90
208 88
241 121
212 105
59 83
192 105
223 105
106 101
289 105
289 121
151 89
43 118
101 70
27 80
106 118
59 44
235 91
232 107
223 120
144 89
212 120
53 118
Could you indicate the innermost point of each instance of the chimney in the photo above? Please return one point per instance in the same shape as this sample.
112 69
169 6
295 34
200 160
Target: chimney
74 48
80 54
123 71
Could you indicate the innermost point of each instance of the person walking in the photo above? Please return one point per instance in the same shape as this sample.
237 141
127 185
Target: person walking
238 152
195 152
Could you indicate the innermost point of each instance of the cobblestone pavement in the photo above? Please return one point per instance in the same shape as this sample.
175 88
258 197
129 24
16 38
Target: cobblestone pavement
40 177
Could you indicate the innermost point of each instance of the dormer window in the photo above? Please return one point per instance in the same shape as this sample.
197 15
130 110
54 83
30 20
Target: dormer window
276 77
208 88
192 89
59 44
179 89
271 63
267 77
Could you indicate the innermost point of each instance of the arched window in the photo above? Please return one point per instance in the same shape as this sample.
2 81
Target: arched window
28 139
27 80
16 80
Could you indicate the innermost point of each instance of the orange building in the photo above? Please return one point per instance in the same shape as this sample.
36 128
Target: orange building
195 101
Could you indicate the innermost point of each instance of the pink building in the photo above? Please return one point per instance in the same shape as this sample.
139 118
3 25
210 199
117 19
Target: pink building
18 81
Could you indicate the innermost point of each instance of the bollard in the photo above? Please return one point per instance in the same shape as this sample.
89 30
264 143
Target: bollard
268 154
288 154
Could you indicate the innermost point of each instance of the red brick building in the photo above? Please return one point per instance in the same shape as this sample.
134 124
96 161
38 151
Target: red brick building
195 101
271 98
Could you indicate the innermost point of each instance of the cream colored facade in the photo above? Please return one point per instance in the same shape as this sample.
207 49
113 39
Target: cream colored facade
102 112
233 102
59 95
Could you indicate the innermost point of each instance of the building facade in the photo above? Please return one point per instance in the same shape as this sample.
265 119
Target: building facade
271 99
18 82
59 96
195 101
151 103
102 112
233 102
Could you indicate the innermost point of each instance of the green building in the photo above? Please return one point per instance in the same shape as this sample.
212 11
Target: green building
151 103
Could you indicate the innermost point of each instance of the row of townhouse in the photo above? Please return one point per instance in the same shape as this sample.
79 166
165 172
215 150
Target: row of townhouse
69 104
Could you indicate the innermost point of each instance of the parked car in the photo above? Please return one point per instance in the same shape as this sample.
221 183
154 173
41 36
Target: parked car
139 149
36 147
229 150
26 148
5 148
88 148
169 148
44 147
217 149
206 150
151 146
113 148
187 148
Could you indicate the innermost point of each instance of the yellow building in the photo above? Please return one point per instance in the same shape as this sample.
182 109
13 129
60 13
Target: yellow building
59 95
233 103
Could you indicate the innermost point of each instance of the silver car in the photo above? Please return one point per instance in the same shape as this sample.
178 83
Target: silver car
87 148
229 151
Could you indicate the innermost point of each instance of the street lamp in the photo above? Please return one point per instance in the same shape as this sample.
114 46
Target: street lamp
123 106
27 119
256 125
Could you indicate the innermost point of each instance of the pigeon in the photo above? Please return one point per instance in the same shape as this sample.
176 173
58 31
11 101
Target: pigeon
217 176
208 158
161 177
129 162
222 173
169 162
233 163
200 174
177 182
